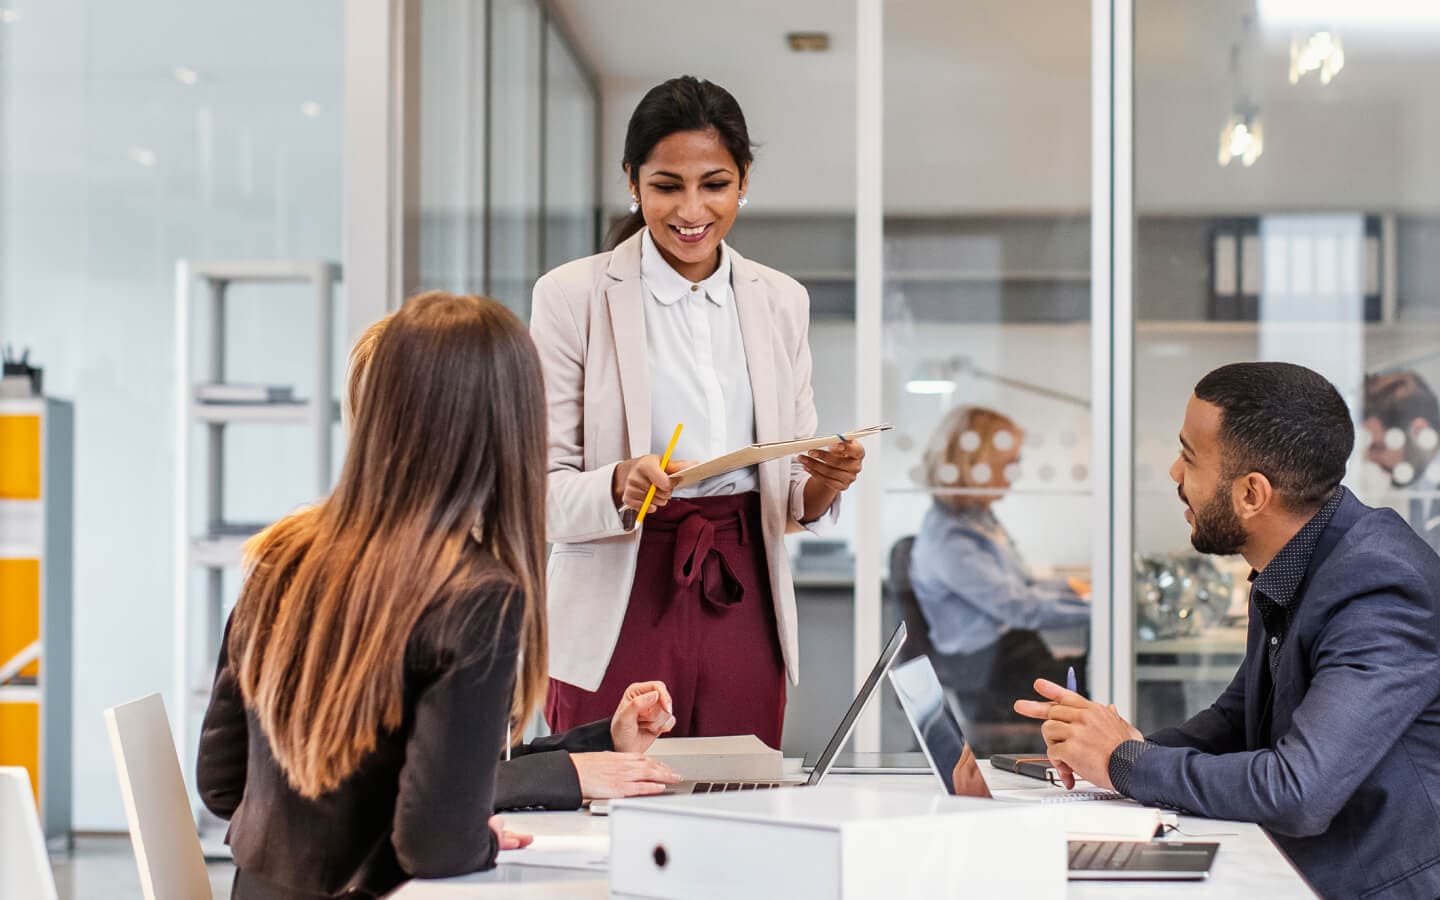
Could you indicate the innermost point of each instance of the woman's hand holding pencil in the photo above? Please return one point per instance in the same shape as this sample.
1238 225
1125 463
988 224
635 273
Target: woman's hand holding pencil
646 478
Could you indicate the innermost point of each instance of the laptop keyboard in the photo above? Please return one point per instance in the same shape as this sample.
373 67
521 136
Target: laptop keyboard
1102 855
716 787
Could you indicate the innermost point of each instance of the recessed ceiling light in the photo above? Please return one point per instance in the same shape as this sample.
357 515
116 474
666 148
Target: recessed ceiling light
142 156
186 76
808 41
9 16
310 108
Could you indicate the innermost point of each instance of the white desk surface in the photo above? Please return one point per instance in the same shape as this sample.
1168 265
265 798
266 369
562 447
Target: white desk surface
1248 864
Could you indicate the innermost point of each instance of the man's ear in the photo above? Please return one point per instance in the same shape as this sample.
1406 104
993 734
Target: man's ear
1253 494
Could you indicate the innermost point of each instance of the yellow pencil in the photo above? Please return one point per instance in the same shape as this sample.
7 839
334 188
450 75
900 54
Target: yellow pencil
650 494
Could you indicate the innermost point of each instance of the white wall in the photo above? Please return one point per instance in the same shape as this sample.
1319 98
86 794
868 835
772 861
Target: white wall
88 243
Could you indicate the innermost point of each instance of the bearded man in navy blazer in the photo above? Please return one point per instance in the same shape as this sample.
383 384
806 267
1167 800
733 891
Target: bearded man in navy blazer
1329 735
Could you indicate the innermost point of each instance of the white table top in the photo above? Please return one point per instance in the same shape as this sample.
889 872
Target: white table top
1248 864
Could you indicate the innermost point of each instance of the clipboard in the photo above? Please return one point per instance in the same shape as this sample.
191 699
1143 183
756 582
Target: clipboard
758 453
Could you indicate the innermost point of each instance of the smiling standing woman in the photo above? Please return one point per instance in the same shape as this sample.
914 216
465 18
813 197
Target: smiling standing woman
669 327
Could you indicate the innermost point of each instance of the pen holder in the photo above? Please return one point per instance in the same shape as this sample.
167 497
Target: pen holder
21 380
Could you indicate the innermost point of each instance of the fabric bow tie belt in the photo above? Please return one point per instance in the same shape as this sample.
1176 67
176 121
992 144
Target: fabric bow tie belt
700 563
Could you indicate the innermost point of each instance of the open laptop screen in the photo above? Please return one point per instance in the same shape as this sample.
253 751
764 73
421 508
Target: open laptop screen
930 716
862 699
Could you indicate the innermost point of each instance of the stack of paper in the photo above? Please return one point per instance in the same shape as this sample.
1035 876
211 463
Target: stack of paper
740 757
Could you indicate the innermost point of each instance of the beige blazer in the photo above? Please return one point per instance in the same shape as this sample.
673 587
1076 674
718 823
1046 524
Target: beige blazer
588 321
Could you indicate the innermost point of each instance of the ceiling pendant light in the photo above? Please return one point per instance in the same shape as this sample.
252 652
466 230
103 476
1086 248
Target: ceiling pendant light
1243 137
1320 52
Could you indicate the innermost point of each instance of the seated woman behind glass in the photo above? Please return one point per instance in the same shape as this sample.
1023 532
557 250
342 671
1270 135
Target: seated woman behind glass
983 606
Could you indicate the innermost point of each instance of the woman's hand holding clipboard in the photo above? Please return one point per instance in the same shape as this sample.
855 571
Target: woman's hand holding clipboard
759 453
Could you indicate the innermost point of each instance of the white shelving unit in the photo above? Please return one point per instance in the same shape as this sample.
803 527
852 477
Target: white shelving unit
214 544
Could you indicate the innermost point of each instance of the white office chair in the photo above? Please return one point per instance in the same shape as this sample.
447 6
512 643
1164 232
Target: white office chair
24 864
157 806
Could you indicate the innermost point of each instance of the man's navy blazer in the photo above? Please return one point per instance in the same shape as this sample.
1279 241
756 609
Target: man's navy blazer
1341 761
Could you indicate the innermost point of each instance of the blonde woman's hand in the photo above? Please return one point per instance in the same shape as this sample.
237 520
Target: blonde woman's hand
604 776
644 713
509 840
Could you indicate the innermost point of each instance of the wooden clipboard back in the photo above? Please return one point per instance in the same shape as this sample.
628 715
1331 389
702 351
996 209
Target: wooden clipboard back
755 454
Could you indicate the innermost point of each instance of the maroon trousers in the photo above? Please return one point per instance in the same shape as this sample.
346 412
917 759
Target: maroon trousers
701 619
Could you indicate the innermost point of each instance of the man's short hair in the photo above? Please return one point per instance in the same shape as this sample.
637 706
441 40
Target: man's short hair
1397 399
1284 421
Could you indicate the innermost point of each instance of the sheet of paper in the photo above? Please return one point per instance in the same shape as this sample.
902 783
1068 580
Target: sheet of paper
466 888
758 453
590 852
1109 820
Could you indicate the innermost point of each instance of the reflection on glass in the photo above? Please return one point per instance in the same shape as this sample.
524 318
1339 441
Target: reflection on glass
987 305
1327 260
1400 418
983 606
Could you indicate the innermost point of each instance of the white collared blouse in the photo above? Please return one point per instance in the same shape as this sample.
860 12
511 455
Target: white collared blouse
698 373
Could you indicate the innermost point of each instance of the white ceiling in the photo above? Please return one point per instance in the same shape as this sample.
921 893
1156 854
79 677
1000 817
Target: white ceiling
987 101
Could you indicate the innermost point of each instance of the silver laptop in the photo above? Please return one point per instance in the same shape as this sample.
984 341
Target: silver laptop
837 740
827 757
943 743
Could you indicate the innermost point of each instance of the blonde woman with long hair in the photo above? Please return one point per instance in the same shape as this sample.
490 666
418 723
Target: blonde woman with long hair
984 607
385 637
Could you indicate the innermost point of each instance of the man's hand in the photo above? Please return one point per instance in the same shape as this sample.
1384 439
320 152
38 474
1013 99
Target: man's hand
644 713
1080 735
967 778
509 840
604 776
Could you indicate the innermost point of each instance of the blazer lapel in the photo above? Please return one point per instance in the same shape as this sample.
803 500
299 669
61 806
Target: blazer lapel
752 303
625 298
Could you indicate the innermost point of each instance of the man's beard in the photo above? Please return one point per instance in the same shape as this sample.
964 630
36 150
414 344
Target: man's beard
1218 529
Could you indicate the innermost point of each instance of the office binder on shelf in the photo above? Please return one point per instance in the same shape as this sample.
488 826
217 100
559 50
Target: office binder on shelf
759 453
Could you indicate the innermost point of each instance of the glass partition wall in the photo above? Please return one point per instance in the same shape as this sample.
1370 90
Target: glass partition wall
1287 207
504 145
1027 229
987 493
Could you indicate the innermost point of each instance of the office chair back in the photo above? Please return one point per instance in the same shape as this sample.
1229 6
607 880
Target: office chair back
24 864
157 806
902 594
985 737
